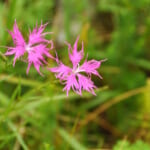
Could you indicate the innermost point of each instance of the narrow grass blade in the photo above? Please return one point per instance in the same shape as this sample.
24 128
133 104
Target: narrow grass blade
71 140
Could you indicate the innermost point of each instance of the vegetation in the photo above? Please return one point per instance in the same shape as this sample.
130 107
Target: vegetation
35 114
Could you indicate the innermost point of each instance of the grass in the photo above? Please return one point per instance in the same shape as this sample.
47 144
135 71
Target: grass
34 111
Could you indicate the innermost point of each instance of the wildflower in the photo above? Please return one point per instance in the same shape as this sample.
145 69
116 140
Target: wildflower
36 47
78 77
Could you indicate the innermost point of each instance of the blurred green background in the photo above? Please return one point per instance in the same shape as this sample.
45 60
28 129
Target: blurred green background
35 114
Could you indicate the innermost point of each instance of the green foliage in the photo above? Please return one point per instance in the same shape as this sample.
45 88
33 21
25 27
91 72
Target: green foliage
70 140
125 145
34 111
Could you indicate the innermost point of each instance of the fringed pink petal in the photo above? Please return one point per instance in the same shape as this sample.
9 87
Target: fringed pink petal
86 84
71 82
61 71
28 68
37 67
74 55
90 67
17 36
36 36
19 49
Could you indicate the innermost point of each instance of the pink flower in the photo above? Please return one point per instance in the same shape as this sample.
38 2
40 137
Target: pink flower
78 77
36 47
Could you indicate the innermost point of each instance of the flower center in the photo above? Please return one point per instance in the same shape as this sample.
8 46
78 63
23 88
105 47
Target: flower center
77 69
28 48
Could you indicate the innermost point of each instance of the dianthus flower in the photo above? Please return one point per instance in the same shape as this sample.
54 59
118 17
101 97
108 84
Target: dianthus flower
78 77
36 47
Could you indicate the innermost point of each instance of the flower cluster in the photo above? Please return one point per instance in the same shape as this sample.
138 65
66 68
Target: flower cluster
77 77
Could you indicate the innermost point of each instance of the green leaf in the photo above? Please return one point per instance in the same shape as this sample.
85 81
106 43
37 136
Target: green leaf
17 134
70 140
125 145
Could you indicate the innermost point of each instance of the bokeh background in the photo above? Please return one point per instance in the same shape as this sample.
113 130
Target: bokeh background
35 114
